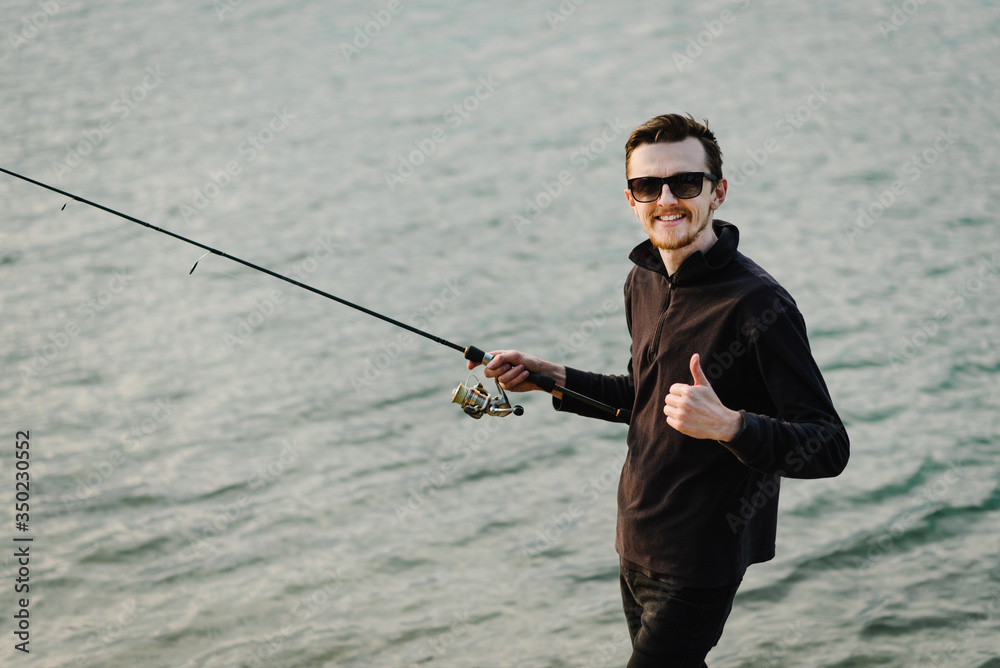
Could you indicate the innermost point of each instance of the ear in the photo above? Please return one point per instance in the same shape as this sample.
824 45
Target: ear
631 202
719 194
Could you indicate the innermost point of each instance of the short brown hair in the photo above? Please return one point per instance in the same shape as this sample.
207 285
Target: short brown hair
670 128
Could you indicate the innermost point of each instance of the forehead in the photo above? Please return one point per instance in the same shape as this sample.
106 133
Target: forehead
662 159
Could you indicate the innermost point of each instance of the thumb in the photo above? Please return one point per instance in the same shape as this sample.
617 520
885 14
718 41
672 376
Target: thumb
699 376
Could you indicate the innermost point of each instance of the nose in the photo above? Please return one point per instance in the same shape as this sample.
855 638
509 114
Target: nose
666 197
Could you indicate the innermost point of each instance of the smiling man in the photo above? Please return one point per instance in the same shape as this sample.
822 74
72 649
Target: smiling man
725 398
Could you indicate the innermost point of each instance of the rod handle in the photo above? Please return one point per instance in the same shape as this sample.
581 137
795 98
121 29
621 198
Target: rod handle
474 354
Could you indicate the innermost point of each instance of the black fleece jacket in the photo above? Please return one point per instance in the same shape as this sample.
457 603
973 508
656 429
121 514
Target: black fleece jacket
698 512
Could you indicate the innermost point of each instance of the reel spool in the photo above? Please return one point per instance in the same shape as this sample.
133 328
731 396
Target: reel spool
477 402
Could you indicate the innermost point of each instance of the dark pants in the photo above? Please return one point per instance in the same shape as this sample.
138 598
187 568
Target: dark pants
672 627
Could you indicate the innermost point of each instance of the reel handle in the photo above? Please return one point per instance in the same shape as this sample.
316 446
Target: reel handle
474 354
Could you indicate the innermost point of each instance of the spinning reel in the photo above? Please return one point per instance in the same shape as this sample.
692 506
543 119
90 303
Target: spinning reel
477 402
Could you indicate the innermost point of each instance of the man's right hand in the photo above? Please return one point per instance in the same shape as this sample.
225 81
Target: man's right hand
511 368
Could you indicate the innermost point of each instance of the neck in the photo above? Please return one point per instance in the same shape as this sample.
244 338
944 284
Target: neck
673 259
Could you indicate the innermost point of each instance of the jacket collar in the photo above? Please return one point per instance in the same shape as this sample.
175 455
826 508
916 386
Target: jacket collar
698 264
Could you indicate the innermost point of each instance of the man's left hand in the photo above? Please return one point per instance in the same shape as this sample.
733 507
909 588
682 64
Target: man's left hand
696 411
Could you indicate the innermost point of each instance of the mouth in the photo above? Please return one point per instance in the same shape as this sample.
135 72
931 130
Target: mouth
670 219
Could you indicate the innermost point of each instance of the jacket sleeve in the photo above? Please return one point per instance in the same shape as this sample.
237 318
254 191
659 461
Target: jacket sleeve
808 438
616 391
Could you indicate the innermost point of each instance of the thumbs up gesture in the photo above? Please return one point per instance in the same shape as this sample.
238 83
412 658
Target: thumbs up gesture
695 410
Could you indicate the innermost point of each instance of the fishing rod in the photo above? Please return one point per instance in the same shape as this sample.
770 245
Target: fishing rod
475 401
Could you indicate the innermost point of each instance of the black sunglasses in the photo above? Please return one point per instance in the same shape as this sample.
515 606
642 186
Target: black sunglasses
684 185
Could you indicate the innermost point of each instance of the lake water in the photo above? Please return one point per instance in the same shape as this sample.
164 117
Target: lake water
229 471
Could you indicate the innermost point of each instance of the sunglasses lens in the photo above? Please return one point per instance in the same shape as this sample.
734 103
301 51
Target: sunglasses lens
647 189
685 186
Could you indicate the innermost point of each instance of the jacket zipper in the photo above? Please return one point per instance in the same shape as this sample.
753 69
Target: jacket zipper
655 347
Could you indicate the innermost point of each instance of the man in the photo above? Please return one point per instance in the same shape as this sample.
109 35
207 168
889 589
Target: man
725 399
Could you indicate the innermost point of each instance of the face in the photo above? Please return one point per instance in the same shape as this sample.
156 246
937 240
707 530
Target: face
671 223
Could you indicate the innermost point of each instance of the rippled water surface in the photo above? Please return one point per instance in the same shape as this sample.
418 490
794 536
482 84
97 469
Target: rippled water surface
230 471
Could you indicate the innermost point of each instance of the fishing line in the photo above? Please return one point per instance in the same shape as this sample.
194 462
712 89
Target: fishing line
475 401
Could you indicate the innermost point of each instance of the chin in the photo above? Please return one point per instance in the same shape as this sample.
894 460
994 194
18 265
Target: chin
672 242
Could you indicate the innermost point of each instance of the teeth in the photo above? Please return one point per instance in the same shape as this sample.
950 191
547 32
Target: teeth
671 217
